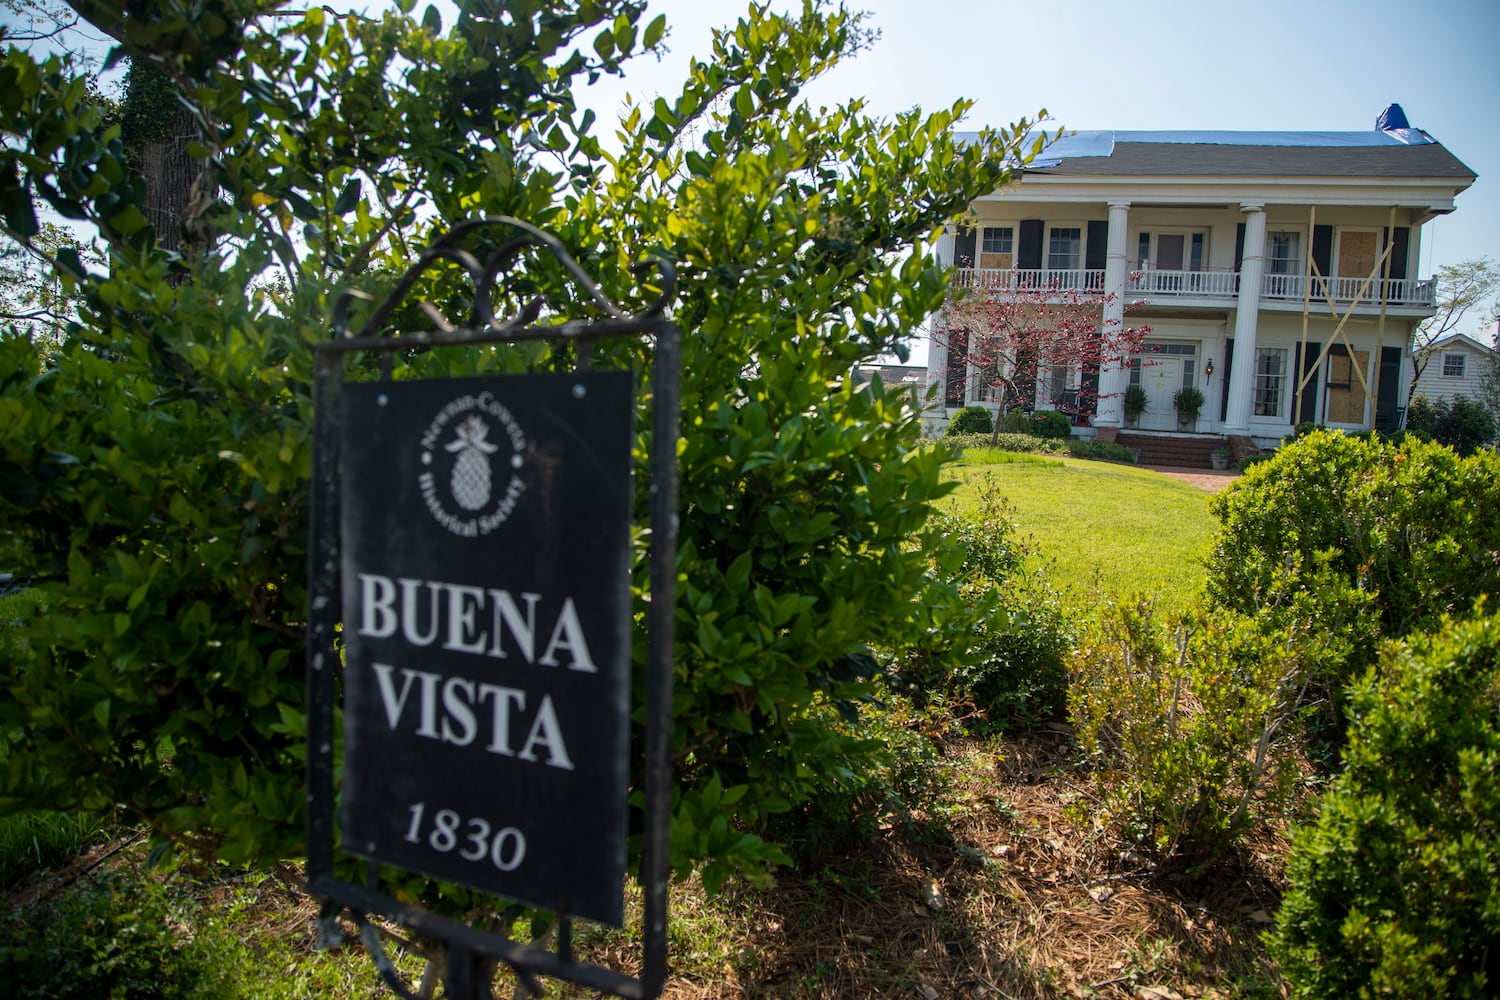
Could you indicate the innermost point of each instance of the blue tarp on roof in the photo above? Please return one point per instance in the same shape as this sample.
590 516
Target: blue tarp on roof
1102 143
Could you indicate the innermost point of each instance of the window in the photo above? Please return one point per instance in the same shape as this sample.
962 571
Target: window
1453 365
997 239
1180 251
1283 253
1065 250
1270 380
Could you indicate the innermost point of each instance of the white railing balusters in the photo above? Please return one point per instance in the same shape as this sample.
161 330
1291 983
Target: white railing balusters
1200 284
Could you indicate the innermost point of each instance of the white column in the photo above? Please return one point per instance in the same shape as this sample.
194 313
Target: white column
944 247
937 374
1247 315
1113 378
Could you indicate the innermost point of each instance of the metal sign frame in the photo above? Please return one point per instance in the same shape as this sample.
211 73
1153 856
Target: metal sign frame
472 953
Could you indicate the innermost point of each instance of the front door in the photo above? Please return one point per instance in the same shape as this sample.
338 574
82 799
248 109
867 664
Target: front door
1346 393
1161 377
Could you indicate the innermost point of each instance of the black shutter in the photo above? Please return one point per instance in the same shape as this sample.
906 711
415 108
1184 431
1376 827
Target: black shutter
1094 252
1302 366
1029 248
963 248
1239 246
956 373
1387 389
1322 249
1097 247
1088 396
1228 367
1401 246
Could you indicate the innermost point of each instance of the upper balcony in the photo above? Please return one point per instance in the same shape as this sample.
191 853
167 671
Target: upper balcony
1210 287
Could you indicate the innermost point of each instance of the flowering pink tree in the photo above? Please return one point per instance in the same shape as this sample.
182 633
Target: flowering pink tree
1024 336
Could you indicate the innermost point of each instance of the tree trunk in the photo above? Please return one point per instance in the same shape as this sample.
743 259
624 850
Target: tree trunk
157 132
173 179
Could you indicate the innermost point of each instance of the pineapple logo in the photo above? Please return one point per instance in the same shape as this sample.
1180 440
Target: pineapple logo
479 497
471 473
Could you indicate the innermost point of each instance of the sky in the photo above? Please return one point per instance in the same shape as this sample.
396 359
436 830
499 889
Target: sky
1296 65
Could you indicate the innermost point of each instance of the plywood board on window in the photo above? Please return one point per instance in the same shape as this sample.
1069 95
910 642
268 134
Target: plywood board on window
996 260
1357 252
1346 393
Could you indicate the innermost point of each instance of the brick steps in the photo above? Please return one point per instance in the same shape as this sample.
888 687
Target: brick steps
1187 450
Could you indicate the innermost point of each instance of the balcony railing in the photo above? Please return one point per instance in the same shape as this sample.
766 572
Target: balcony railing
1222 285
1397 291
1185 284
1010 279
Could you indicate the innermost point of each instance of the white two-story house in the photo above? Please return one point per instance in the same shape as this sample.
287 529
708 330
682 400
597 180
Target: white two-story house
1277 272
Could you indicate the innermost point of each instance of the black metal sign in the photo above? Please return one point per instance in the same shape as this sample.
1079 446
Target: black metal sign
469 586
486 563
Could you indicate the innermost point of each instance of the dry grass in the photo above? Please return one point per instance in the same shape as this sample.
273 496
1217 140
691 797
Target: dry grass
1018 900
1009 894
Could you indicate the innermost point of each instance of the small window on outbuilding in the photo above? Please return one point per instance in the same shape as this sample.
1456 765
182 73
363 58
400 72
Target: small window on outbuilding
1453 365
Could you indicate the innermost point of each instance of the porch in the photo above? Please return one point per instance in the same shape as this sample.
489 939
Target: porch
1219 288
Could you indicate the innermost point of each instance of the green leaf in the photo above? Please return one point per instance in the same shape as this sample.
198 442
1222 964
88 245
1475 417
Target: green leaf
349 197
655 30
68 262
302 208
20 215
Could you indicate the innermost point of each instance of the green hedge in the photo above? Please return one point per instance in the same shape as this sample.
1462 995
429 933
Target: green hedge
1395 892
1031 444
1377 539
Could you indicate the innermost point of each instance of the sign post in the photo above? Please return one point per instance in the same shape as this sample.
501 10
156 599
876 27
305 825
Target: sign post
471 539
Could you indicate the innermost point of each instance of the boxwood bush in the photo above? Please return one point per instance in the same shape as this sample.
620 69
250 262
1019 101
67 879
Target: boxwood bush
1051 424
970 420
1395 891
1374 538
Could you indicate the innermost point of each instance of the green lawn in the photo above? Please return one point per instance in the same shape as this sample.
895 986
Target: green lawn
1101 529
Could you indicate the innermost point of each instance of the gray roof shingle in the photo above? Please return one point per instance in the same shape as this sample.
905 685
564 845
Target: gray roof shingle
1185 159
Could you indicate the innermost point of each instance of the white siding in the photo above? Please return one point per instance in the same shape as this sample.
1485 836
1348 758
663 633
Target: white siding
1437 386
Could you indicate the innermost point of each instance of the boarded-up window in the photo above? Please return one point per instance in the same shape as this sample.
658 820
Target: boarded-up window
997 249
1357 252
1346 390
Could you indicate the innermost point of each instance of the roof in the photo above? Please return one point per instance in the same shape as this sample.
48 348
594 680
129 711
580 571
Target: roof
1394 153
891 375
1253 160
1456 340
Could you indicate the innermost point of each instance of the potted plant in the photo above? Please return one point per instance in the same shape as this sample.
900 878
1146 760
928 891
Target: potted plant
1135 405
1187 401
1220 457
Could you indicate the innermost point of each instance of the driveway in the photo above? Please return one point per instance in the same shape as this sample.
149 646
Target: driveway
1205 479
